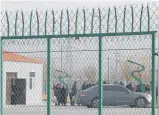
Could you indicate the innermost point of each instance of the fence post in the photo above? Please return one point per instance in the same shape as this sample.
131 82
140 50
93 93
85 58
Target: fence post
153 77
1 78
100 82
48 78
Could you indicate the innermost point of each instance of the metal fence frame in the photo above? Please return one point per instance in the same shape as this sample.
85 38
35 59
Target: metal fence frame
100 81
68 35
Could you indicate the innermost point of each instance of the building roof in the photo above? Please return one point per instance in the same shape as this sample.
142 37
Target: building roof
14 57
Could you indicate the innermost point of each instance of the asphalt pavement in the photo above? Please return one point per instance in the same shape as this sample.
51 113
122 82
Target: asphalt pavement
68 110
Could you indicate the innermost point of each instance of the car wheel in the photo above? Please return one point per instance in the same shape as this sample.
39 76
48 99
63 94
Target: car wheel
94 103
141 102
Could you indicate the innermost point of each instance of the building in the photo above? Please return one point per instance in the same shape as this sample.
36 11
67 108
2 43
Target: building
22 80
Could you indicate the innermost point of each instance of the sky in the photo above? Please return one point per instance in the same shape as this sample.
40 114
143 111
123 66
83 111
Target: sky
60 4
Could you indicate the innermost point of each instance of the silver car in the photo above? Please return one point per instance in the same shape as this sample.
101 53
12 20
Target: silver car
113 95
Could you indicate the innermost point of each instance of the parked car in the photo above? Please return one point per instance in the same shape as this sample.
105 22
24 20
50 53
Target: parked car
113 95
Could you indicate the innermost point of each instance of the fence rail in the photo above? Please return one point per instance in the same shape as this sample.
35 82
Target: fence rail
47 52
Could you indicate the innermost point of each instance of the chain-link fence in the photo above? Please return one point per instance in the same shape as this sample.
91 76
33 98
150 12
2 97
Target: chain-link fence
73 62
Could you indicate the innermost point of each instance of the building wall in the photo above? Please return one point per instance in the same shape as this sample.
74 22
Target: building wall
34 95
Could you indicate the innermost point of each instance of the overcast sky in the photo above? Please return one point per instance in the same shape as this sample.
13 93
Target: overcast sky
60 4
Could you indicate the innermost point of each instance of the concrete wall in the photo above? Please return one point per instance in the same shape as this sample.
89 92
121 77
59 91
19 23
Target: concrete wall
34 95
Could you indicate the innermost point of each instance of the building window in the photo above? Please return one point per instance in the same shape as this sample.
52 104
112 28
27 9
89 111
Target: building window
31 79
32 74
30 83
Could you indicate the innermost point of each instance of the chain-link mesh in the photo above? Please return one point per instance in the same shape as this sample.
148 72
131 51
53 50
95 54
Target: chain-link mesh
74 61
24 71
131 18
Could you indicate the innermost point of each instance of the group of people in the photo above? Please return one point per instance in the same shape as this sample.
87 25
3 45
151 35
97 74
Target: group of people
138 88
61 93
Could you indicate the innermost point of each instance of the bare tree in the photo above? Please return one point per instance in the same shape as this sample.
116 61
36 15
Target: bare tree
91 74
126 68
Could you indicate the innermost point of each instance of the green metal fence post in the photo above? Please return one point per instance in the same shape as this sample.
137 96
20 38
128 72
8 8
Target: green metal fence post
92 27
8 24
76 22
48 78
31 16
153 77
84 23
100 81
108 20
141 15
68 22
37 16
16 19
46 23
22 23
124 19
132 15
1 79
53 25
61 18
148 16
116 19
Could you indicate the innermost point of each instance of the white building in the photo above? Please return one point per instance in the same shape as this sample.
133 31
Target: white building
22 80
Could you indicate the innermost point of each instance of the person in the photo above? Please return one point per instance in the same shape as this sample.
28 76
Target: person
104 82
70 95
55 95
84 86
147 88
64 96
129 86
122 83
138 88
58 94
73 93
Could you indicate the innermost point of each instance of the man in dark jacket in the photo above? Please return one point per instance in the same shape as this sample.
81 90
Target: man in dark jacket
84 86
73 93
58 93
130 87
64 95
138 88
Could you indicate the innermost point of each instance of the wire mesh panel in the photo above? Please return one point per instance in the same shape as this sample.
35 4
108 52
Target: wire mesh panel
126 71
74 62
127 67
74 66
79 62
24 77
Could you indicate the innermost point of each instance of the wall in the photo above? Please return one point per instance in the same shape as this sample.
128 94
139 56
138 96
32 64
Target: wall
33 96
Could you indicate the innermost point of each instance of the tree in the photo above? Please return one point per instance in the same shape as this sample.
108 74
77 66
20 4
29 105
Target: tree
91 74
126 68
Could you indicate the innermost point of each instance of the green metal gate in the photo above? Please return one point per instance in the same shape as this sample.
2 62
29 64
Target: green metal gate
83 46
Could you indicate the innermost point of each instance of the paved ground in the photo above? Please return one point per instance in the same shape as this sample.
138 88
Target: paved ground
14 110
